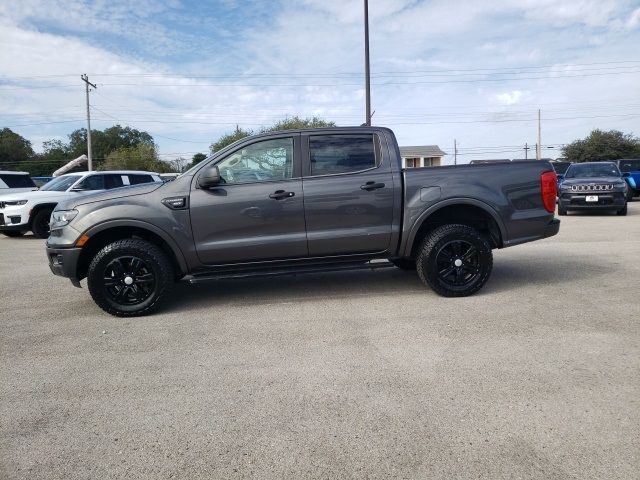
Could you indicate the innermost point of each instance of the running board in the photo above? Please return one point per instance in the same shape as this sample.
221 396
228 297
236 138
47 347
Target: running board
299 270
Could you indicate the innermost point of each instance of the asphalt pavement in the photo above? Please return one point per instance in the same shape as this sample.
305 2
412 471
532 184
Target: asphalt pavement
335 375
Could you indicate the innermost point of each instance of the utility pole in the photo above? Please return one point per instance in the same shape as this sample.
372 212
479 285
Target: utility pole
526 151
86 81
539 144
366 63
455 152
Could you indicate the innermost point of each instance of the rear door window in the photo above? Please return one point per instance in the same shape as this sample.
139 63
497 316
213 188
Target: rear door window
92 182
331 154
113 181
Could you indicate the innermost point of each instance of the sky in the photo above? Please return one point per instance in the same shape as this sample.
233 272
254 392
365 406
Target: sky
472 71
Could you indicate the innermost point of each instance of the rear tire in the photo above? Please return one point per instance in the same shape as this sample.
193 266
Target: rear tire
13 233
404 264
623 211
40 223
455 261
130 277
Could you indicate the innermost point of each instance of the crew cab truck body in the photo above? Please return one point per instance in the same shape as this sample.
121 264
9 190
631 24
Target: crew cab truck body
24 211
300 201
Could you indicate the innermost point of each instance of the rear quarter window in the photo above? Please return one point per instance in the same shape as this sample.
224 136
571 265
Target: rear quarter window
135 179
17 181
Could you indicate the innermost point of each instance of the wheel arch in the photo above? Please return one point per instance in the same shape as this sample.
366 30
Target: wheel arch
41 206
105 233
465 211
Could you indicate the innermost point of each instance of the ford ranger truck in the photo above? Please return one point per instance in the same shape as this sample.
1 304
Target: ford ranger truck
300 201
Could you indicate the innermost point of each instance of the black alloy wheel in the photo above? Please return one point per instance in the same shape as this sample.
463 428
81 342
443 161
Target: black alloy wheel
128 280
458 263
455 260
129 277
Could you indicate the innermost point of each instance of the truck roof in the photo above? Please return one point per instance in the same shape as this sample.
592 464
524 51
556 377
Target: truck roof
117 172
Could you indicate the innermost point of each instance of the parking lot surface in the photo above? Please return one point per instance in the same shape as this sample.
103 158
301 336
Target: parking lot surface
345 375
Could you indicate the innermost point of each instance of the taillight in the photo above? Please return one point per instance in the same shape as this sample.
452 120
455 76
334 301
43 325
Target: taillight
549 190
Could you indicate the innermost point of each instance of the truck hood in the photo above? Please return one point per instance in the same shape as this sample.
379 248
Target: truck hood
594 180
121 192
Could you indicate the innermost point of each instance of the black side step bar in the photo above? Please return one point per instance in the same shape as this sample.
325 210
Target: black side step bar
299 270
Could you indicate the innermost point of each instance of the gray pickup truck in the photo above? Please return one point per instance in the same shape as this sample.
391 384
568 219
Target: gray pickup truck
300 201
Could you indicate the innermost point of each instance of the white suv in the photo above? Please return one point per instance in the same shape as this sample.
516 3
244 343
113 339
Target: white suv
15 182
26 211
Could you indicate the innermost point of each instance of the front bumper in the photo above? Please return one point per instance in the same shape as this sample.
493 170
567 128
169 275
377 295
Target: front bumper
606 201
14 217
64 262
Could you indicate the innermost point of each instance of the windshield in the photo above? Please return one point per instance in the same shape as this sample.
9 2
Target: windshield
60 184
591 170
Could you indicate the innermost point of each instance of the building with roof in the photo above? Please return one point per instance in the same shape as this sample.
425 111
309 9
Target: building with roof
421 156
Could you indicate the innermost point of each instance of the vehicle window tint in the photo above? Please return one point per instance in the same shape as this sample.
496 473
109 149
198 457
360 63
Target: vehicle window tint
135 179
113 181
341 153
93 182
629 165
17 181
264 161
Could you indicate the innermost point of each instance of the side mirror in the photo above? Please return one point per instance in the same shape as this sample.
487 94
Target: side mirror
210 177
560 177
626 174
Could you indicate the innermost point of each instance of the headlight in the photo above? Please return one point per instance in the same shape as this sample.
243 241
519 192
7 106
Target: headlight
15 202
60 218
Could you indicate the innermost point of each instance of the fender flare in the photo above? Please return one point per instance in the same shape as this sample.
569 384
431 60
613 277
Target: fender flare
447 203
177 252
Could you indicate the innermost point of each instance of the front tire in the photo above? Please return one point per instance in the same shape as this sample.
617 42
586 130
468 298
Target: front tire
40 223
130 277
561 211
622 211
455 261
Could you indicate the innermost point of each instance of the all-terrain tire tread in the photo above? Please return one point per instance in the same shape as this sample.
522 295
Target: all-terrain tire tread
429 244
164 282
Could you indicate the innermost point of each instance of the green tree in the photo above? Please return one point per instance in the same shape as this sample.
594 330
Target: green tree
601 145
229 138
295 122
138 157
103 142
288 123
15 150
197 158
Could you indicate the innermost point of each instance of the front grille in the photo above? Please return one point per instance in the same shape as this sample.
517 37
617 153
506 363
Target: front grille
592 188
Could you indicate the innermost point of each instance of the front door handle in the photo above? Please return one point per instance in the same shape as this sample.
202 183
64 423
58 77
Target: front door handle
280 194
371 186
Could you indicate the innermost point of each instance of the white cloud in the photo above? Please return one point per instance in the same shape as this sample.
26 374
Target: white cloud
324 37
634 19
509 98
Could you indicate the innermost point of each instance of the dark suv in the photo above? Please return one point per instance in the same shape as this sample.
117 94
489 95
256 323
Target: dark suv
593 186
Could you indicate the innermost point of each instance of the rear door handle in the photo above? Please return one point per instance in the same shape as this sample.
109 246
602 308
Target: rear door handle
280 194
371 186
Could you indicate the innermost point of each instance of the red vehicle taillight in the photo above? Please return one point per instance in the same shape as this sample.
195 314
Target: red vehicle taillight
549 189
